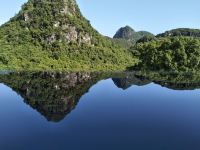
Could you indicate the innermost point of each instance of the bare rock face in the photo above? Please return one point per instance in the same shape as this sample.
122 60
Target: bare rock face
51 39
71 35
69 7
86 39
26 17
64 10
56 24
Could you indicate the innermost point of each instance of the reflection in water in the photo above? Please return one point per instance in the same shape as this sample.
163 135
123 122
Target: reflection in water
130 79
56 94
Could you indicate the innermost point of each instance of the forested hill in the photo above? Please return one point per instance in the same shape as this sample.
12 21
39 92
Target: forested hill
181 32
48 34
129 34
168 54
54 35
49 23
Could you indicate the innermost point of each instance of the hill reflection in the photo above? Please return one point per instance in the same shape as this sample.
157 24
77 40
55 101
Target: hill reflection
56 94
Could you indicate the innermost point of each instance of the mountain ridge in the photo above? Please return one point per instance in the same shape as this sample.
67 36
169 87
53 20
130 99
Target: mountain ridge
180 32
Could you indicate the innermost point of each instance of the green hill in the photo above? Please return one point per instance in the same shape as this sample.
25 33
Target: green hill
168 54
129 36
54 35
181 32
174 50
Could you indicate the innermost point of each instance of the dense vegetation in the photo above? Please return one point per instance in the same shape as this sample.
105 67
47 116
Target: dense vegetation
146 38
170 53
54 35
181 32
127 36
28 57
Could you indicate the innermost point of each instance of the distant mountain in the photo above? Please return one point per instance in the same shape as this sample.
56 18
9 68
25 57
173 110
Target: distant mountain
48 34
181 32
125 33
129 34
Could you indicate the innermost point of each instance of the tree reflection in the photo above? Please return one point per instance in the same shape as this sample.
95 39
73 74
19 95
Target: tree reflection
56 94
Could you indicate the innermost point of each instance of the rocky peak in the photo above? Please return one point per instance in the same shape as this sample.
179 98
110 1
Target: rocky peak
53 21
129 34
124 33
59 6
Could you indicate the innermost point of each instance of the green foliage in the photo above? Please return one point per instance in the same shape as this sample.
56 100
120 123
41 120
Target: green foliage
175 53
181 32
146 38
123 43
44 23
28 57
54 35
37 39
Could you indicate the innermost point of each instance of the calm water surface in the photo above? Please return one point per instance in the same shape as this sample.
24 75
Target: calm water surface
85 111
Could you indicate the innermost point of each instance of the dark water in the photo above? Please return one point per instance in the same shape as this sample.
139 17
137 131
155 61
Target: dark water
99 111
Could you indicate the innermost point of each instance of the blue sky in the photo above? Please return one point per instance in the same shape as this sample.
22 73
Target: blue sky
107 16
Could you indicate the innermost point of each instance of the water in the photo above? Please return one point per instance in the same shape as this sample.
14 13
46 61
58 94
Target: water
95 111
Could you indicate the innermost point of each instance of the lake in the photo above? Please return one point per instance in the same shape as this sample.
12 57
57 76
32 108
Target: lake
99 111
